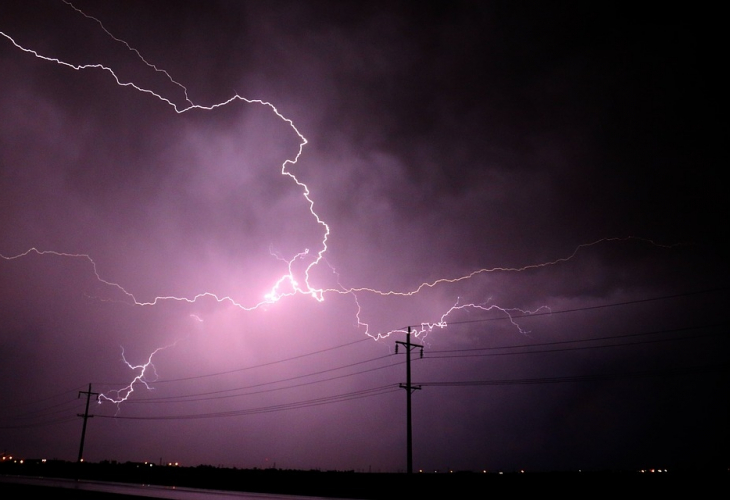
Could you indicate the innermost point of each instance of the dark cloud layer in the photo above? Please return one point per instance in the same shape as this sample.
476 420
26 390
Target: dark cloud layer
552 171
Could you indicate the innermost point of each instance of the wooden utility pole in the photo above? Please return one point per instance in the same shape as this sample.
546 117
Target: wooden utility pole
86 417
409 390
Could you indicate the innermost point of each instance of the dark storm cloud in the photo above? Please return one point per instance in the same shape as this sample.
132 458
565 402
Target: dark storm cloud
566 154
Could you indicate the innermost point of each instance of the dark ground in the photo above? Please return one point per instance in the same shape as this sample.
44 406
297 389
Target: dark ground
370 486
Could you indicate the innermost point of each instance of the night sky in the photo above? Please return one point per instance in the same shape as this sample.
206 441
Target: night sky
261 198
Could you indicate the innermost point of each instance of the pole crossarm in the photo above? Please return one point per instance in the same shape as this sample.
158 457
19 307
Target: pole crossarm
412 388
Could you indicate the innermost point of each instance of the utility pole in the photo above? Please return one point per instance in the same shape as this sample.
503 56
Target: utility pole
409 390
86 417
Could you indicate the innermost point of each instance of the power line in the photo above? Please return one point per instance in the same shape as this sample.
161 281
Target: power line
192 398
54 396
225 394
389 388
563 342
375 391
588 308
678 372
60 420
269 363
450 323
39 417
42 415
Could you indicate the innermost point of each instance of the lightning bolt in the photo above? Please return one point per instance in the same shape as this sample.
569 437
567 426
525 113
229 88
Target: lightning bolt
291 282
279 289
118 396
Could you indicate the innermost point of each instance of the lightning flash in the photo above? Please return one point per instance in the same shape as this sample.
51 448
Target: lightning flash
291 282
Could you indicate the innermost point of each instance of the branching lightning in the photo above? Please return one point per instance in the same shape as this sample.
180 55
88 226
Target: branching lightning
119 396
290 283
